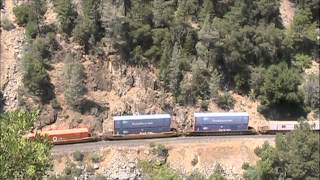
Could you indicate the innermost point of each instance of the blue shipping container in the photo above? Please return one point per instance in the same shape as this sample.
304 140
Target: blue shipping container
221 121
142 123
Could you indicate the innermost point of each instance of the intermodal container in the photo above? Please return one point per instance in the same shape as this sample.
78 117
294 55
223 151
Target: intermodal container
136 124
232 121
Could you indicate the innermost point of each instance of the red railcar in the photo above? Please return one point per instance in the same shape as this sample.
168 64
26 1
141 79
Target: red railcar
64 136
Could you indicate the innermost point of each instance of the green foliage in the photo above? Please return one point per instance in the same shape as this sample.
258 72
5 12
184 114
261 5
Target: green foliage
78 156
196 176
67 15
22 14
95 158
21 158
155 172
35 77
6 24
225 101
280 87
88 27
73 76
295 156
31 15
311 89
160 150
302 61
218 173
71 170
32 29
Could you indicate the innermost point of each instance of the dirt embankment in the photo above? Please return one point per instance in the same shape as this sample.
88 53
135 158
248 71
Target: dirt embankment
229 153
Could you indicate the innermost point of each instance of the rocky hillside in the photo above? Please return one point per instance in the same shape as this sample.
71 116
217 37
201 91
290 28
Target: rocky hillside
112 87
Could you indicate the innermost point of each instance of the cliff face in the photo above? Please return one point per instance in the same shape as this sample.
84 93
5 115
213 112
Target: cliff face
113 87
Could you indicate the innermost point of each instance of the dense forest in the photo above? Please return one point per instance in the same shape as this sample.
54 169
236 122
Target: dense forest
202 48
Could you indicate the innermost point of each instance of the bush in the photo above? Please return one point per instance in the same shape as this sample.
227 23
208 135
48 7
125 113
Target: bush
40 47
32 30
154 172
245 166
218 173
22 14
78 156
160 150
194 161
95 158
6 24
196 176
226 101
302 61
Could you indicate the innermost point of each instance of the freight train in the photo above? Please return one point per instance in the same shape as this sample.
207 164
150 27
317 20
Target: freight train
159 126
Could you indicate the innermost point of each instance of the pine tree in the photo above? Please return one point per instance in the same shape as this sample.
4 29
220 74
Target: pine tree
74 86
67 15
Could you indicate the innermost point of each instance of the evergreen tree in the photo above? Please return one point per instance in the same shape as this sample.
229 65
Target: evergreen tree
74 86
67 15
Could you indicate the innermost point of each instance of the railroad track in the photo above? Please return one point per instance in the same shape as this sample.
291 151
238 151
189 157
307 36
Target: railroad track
95 146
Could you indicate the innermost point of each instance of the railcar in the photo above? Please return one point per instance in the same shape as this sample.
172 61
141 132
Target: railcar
65 136
274 127
221 123
141 126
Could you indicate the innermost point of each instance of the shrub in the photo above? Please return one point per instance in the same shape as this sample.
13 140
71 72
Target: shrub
22 14
196 176
194 161
226 101
302 61
40 47
245 165
78 156
7 25
160 150
32 30
95 158
218 173
100 177
162 172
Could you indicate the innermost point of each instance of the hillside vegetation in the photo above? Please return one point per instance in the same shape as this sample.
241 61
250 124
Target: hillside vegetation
192 53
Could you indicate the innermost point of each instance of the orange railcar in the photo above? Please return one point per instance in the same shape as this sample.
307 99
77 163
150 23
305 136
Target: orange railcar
64 136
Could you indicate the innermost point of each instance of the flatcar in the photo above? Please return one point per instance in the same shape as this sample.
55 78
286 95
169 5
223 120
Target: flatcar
65 136
274 127
220 123
141 126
